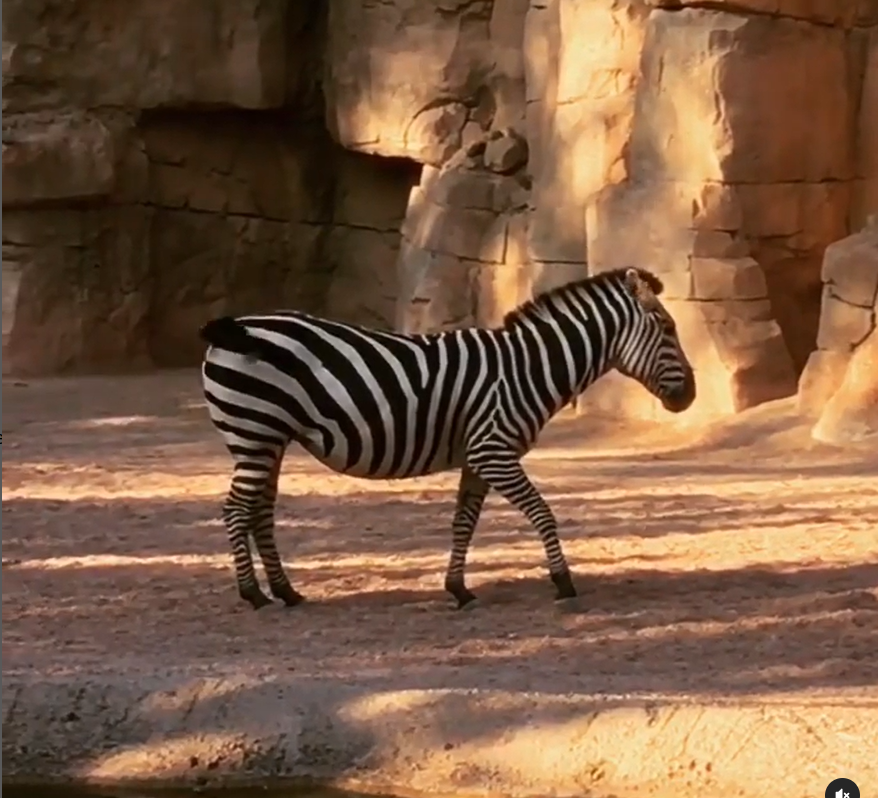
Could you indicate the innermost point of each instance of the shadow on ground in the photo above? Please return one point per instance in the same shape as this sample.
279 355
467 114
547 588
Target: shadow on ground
702 572
76 571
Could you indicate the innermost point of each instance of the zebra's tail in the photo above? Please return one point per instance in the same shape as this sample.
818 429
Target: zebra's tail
228 333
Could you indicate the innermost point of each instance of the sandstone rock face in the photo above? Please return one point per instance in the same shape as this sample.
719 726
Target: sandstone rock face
76 288
460 260
866 187
405 78
723 147
840 383
851 414
178 161
162 165
96 53
828 12
65 160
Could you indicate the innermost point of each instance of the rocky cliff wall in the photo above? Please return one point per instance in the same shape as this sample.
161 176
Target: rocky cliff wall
722 144
163 163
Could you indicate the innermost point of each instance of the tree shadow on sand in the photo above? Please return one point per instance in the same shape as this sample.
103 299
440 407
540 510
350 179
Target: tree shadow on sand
379 524
746 633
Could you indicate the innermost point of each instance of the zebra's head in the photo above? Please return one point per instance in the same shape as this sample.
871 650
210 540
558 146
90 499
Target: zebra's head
648 349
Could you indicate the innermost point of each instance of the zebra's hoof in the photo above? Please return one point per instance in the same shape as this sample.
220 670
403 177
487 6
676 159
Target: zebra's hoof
460 593
468 604
294 599
569 606
257 600
289 596
564 586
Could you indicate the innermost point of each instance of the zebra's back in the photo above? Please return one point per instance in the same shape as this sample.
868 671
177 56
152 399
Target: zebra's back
365 403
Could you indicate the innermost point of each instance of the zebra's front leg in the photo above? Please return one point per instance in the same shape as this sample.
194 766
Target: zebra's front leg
471 493
502 471
263 537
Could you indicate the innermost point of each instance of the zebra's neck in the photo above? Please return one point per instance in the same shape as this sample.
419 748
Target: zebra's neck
571 336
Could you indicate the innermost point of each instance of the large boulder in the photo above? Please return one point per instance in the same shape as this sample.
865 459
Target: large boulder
839 386
851 414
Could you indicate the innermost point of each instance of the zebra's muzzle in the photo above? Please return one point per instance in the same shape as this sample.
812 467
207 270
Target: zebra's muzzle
681 397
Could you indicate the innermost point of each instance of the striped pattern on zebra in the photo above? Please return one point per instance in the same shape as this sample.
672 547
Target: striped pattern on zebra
384 405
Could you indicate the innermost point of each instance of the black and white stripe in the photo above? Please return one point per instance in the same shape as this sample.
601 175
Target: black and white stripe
383 405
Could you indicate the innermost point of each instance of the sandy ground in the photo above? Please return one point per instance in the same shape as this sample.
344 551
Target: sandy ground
741 561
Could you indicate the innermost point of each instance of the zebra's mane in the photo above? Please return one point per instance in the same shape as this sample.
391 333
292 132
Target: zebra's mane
538 302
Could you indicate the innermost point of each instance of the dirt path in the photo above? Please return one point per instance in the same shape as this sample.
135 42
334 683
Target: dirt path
740 563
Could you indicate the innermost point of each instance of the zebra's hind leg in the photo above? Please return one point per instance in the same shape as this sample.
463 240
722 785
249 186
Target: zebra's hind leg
263 537
471 493
238 515
500 468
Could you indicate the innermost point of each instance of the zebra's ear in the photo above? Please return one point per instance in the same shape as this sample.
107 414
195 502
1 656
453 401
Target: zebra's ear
641 289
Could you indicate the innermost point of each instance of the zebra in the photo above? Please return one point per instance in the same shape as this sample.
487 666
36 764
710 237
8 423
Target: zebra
390 405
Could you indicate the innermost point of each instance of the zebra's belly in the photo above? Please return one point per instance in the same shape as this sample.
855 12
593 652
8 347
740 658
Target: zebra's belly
410 465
